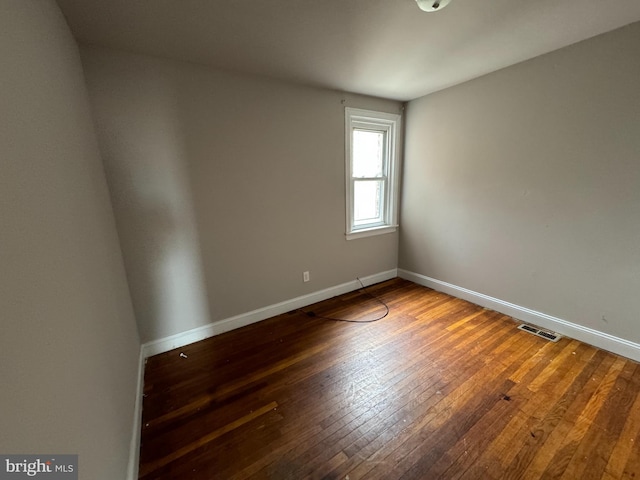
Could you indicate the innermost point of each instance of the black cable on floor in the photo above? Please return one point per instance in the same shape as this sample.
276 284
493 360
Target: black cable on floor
363 290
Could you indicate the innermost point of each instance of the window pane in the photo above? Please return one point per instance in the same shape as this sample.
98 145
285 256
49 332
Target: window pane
367 206
368 148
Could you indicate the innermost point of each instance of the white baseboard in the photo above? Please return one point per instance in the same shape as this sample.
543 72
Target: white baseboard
593 337
134 451
216 328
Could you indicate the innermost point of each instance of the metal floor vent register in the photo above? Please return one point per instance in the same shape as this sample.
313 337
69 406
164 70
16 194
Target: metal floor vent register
552 336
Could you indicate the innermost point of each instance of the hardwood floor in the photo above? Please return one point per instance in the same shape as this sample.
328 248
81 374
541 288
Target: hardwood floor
440 388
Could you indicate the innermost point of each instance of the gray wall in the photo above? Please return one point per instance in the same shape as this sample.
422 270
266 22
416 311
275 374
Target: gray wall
525 184
226 188
68 340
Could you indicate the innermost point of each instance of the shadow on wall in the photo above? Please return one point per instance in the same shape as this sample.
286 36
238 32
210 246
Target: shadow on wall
146 167
225 188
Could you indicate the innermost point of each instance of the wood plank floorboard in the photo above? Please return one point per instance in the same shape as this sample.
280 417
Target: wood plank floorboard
439 388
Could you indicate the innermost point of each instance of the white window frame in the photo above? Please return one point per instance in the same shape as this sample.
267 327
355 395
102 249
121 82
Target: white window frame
390 124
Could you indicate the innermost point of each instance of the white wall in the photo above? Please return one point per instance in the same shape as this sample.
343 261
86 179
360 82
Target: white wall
524 185
68 340
226 188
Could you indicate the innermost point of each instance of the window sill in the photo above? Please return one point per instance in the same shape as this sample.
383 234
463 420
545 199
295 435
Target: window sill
369 232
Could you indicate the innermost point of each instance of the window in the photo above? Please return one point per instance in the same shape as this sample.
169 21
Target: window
372 171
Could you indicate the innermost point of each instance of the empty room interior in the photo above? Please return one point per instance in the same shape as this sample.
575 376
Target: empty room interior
331 239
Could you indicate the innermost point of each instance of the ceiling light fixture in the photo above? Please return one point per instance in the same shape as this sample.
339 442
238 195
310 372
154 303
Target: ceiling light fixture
432 5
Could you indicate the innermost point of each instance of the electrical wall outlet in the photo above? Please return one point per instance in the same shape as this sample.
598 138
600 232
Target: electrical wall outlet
305 277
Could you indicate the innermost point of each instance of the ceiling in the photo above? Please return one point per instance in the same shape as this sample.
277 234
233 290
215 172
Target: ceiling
385 48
